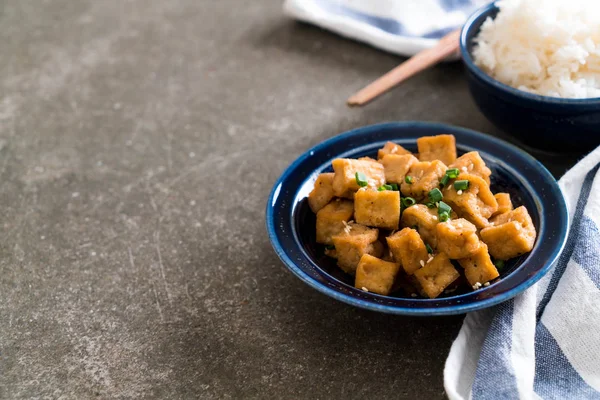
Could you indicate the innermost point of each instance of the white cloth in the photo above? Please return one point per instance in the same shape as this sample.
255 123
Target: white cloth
544 343
403 27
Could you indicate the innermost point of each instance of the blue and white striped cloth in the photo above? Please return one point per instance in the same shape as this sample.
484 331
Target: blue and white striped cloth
544 343
403 27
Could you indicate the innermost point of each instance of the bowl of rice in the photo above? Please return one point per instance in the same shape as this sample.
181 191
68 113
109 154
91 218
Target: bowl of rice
533 68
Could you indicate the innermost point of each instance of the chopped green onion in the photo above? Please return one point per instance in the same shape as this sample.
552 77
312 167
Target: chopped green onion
444 216
408 179
444 208
415 227
330 247
361 179
380 189
461 185
394 186
429 249
435 195
499 264
384 187
452 173
444 180
430 204
408 201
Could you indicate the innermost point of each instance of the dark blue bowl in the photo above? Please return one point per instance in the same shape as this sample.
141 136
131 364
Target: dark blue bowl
548 123
291 224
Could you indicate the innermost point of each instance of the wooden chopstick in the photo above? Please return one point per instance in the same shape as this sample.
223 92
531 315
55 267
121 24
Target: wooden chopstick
419 62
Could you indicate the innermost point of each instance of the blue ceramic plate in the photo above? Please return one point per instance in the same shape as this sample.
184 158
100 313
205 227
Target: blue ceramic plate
291 224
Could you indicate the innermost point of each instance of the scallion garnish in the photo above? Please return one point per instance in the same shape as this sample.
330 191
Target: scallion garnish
361 179
430 204
394 186
452 173
461 185
435 195
408 179
499 264
444 208
429 249
444 180
408 201
444 216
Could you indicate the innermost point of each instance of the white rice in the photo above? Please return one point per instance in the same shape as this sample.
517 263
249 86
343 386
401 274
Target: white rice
547 47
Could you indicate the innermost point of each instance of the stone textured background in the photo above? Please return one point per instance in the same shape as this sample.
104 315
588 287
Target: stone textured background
138 142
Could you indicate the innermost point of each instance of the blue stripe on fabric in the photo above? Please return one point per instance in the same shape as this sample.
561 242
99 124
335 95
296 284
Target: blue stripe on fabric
587 251
555 377
385 24
456 5
394 26
495 376
572 241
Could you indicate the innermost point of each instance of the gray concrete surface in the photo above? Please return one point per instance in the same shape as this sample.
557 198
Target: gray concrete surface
138 142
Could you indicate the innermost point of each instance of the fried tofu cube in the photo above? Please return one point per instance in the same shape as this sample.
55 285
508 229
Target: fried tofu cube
352 243
391 148
424 176
424 220
436 275
322 192
441 147
397 166
504 203
472 163
479 267
408 249
376 275
510 235
345 169
379 209
367 158
332 219
476 204
457 238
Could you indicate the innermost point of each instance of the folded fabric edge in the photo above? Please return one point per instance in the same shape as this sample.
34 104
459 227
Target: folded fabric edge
359 31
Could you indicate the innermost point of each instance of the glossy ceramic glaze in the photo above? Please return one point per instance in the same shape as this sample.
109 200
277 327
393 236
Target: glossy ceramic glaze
542 122
291 224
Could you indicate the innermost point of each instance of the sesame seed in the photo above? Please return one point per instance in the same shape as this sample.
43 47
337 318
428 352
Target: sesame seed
422 262
486 284
459 192
394 150
365 289
435 218
464 169
413 295
476 286
430 260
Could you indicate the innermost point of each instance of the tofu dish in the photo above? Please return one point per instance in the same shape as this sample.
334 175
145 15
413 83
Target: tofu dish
423 223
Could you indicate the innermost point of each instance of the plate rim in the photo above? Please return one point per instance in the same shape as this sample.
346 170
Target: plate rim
406 310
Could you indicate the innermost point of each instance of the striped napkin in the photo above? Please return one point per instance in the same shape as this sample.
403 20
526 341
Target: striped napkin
544 343
403 27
